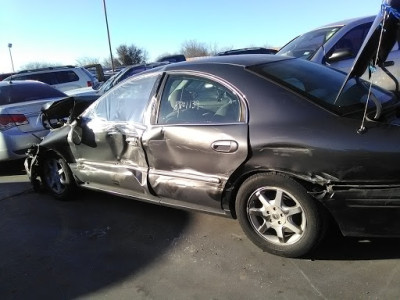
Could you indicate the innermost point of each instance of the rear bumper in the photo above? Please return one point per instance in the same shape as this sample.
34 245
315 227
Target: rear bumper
14 143
367 212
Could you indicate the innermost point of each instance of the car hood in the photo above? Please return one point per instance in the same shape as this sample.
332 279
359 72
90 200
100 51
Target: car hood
382 36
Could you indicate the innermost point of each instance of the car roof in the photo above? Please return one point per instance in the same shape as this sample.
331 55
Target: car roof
243 60
355 21
47 69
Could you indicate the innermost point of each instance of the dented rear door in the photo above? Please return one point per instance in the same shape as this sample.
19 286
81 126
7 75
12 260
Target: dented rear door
199 139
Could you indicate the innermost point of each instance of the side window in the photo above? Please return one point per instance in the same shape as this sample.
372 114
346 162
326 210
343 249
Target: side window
125 103
352 40
195 100
65 76
48 78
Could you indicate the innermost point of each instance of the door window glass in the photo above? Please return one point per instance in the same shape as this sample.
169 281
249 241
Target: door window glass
125 103
66 76
195 100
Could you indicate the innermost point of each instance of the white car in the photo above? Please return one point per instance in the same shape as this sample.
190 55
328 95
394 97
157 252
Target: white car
63 78
20 107
337 44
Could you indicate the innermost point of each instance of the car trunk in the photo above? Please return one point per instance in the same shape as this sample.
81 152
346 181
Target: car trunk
31 110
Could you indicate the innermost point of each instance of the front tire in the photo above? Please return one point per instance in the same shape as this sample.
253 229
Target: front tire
57 177
278 215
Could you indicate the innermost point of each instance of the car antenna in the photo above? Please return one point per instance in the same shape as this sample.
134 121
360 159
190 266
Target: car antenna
372 69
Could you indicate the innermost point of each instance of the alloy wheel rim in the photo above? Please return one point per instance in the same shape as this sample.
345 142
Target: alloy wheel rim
276 215
55 176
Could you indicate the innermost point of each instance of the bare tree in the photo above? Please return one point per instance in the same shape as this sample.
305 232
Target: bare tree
107 63
131 55
84 61
213 49
192 48
38 65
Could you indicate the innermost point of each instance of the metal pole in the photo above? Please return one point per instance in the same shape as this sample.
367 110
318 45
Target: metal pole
108 33
12 62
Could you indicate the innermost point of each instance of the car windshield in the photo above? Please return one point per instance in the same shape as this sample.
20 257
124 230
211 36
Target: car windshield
305 78
306 45
108 84
16 93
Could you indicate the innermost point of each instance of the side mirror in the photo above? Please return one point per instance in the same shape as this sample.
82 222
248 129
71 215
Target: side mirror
339 54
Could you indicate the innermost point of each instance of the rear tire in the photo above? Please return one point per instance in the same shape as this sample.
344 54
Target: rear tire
57 177
277 214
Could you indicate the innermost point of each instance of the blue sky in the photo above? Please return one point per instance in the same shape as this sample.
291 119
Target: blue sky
63 32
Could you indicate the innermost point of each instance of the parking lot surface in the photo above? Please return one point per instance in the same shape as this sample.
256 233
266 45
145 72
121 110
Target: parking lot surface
105 247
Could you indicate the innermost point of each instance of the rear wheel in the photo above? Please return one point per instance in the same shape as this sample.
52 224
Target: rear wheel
278 215
57 177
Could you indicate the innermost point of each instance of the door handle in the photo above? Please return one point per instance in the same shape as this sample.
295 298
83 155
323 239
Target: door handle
225 146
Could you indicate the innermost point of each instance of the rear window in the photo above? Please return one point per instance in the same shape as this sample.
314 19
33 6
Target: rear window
321 84
89 74
16 93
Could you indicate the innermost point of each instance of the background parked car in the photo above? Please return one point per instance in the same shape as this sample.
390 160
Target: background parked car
20 107
172 58
62 78
337 45
94 93
5 75
253 50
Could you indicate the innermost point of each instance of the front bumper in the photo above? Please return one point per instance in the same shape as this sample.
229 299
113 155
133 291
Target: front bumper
32 168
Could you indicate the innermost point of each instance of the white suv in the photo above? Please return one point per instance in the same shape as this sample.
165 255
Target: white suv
63 78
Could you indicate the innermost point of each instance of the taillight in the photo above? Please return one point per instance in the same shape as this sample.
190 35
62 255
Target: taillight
89 83
9 121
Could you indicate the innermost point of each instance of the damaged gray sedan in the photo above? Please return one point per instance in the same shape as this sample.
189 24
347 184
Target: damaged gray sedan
276 142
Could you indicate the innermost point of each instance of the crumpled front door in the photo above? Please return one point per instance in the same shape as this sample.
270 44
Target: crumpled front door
109 156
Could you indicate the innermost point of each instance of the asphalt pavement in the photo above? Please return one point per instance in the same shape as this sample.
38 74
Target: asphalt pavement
98 246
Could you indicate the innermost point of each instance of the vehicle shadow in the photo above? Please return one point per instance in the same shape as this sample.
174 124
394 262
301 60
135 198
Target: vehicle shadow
8 168
64 250
337 247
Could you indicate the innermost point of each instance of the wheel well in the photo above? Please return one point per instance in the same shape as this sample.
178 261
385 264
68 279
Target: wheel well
45 152
310 187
